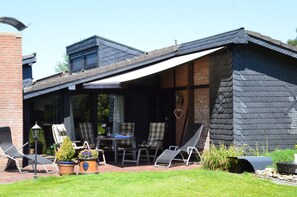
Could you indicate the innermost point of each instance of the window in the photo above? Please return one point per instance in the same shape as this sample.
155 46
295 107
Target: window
90 60
84 60
76 64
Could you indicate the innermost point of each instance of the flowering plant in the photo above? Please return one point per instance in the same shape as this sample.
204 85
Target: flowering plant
88 154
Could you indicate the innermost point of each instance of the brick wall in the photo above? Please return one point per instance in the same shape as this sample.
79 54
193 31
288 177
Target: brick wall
167 79
201 71
11 98
201 96
181 121
181 76
201 99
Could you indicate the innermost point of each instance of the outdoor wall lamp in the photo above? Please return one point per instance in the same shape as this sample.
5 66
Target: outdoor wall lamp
35 129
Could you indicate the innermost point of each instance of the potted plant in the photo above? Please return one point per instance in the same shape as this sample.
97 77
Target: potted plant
87 160
64 157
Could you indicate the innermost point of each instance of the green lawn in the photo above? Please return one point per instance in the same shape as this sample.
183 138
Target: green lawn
196 182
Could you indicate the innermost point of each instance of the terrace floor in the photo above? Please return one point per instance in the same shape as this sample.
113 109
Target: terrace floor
13 176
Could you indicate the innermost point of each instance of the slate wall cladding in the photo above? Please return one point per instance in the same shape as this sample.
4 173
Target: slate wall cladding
263 81
221 98
109 55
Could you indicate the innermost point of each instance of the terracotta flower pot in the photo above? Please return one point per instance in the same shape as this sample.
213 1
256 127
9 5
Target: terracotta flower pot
88 166
66 168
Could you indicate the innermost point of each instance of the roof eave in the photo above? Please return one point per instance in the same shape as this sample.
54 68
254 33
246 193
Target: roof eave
272 44
87 76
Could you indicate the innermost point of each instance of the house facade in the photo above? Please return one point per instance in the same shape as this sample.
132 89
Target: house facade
239 84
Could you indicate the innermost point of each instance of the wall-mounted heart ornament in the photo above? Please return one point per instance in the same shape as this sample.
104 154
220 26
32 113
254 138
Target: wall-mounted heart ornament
178 113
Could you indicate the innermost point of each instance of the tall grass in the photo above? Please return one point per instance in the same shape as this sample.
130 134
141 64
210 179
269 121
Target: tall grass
217 158
285 155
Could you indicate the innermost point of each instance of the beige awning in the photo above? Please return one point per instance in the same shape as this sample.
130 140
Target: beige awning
115 81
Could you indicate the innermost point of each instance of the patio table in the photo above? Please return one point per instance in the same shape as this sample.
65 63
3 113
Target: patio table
114 140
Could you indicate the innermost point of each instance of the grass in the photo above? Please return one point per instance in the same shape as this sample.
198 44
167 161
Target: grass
195 182
285 155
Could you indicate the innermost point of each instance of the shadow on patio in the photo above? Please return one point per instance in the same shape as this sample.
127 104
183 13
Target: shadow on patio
13 176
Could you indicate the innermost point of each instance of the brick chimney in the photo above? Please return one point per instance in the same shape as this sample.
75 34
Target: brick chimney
11 92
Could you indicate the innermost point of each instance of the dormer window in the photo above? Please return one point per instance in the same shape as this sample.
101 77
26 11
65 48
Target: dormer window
96 51
90 60
76 63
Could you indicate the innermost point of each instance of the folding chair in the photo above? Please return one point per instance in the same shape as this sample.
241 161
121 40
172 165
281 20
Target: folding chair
155 138
87 133
188 147
59 134
126 128
11 152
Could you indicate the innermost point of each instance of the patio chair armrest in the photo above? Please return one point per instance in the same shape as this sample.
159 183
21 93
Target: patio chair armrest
74 145
159 141
18 147
190 148
143 142
173 148
86 144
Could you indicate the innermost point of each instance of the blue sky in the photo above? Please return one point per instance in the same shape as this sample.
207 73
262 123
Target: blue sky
146 25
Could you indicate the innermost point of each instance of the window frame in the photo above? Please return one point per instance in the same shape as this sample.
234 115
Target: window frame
86 54
71 63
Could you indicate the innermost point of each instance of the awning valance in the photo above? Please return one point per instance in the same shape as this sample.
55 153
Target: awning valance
115 81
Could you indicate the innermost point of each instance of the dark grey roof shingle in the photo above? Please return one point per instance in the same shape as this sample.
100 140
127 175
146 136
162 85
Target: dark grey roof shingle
98 40
64 80
240 36
29 59
235 36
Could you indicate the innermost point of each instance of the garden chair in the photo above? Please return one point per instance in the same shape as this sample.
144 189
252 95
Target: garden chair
126 128
155 138
188 147
11 152
87 134
59 134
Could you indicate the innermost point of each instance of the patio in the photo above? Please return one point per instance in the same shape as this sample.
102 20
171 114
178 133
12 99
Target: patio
13 176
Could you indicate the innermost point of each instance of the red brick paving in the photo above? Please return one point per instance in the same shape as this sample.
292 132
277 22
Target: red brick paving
13 176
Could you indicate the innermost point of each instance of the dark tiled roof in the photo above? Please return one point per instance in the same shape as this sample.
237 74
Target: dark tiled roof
112 54
64 80
98 40
272 44
238 36
29 59
235 36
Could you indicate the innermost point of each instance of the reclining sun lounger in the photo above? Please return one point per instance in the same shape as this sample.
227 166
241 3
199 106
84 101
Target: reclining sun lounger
187 148
12 153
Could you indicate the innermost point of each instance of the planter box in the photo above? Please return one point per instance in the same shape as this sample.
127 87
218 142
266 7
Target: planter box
287 167
88 166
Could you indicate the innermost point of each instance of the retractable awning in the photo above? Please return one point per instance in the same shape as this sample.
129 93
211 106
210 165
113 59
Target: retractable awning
115 81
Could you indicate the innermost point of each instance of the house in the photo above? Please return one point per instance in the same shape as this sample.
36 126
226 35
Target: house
240 84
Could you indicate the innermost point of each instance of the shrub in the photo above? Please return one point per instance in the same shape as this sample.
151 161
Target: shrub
66 151
217 158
